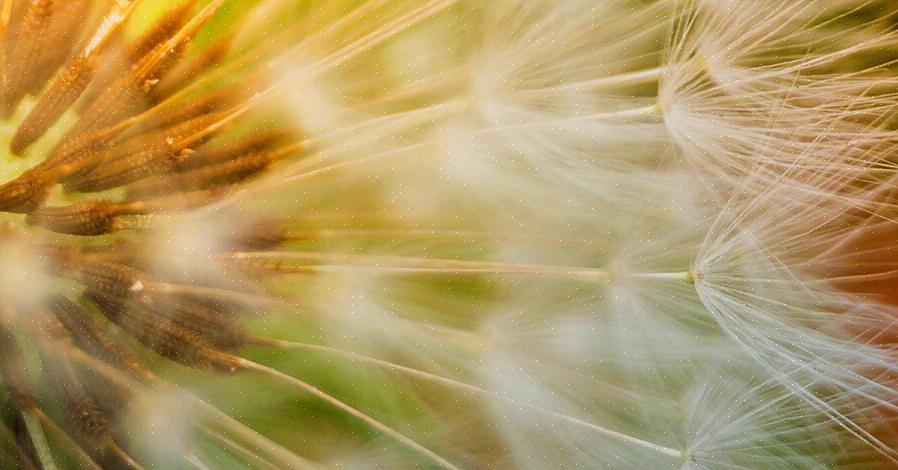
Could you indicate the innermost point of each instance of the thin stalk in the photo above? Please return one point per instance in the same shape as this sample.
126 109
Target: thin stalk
241 450
341 233
348 409
197 462
404 264
629 78
424 375
39 439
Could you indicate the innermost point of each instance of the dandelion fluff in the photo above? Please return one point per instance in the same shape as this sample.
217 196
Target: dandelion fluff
446 233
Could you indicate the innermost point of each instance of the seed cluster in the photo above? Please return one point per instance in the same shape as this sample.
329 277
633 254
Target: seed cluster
150 127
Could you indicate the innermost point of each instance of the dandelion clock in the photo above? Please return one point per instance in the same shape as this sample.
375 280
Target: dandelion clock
459 234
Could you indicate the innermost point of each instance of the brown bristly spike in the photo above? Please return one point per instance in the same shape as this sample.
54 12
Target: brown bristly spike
176 202
25 193
216 327
261 269
221 121
70 85
262 235
88 336
124 97
60 96
78 404
159 157
80 407
113 158
85 219
26 48
13 367
212 155
78 391
17 15
222 306
170 22
72 155
120 252
110 278
129 94
218 76
71 329
6 13
162 335
61 39
93 218
160 117
214 176
186 72
221 170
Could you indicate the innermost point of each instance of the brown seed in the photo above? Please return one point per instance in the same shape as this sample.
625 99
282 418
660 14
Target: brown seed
221 174
132 168
72 154
27 47
262 235
80 407
110 278
168 116
85 219
162 335
161 31
215 326
13 371
25 193
58 98
209 155
185 73
60 39
71 386
88 336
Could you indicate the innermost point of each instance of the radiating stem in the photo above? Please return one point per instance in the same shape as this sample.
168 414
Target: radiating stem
628 78
404 264
345 407
247 454
478 390
39 439
197 462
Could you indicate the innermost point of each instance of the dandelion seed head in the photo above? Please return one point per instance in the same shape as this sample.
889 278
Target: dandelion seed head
448 233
